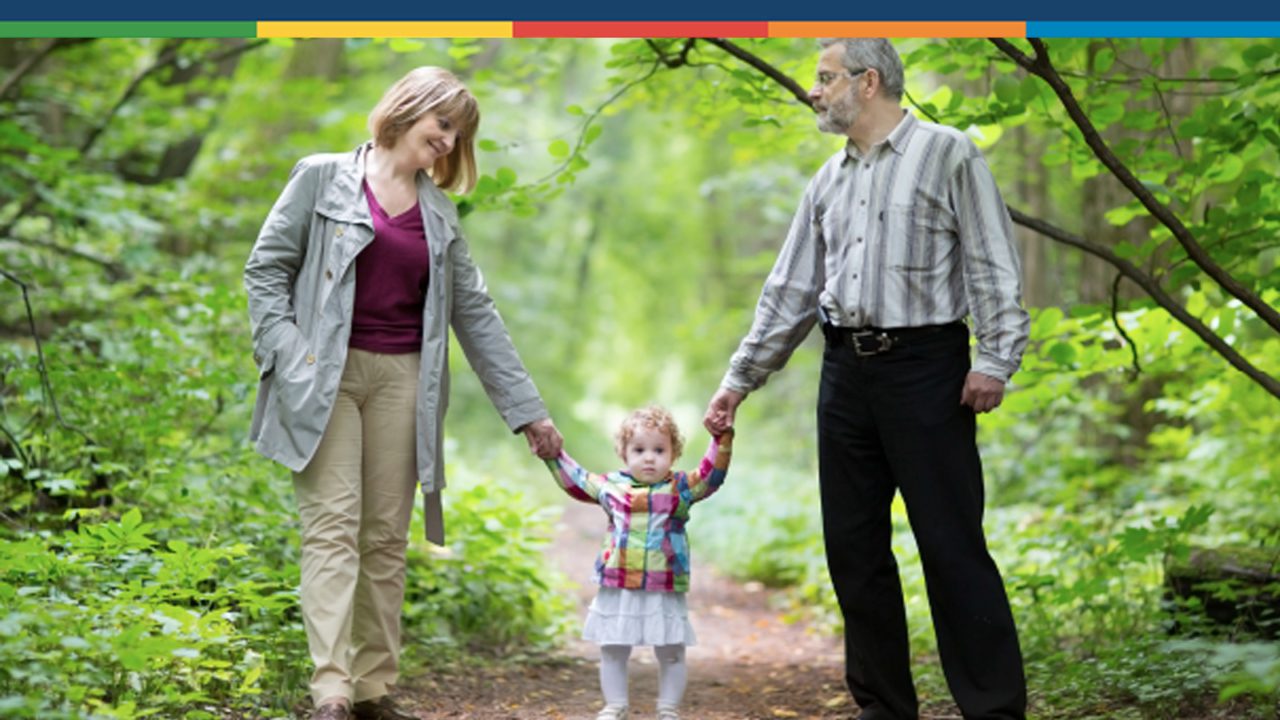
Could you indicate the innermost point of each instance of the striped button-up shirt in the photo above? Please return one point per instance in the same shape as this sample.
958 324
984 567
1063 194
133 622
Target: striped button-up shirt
912 233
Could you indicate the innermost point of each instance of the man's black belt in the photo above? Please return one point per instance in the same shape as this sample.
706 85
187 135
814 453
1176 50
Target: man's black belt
868 341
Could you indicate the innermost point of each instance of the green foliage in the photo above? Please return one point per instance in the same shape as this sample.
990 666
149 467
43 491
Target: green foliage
633 196
488 591
104 622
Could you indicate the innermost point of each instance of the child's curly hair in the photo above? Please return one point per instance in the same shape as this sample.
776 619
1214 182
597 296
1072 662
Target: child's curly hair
654 416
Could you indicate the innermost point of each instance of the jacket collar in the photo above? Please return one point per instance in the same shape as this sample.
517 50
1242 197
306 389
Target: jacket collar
343 198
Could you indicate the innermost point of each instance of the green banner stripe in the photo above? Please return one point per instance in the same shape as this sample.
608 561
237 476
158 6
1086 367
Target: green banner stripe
113 29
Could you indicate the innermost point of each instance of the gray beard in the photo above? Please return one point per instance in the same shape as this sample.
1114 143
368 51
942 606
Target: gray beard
838 118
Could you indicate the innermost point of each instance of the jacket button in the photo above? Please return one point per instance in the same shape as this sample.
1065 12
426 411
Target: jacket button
340 230
328 274
311 359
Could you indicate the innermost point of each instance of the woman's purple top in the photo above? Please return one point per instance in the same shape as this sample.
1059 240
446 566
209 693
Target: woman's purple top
391 282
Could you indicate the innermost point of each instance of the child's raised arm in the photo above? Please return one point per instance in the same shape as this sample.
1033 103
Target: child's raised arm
574 479
714 466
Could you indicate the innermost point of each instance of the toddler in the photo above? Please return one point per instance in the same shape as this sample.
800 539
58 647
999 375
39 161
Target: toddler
643 566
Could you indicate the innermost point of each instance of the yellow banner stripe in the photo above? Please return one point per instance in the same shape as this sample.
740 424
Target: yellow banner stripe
345 29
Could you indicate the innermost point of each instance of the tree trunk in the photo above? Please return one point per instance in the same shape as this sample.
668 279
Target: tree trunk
1234 586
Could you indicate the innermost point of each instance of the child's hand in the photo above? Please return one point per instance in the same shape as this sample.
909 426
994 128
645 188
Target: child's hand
726 437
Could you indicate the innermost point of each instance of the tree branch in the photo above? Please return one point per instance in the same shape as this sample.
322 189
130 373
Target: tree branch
167 57
1156 292
31 63
45 384
1115 321
768 70
1042 67
586 124
676 61
115 271
1126 268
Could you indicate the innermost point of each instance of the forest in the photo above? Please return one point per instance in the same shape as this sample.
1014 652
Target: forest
633 196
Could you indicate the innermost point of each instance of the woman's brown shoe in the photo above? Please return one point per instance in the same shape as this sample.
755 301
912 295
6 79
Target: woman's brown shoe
383 708
331 711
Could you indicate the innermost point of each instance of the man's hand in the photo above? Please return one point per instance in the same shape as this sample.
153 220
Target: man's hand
544 439
720 411
981 392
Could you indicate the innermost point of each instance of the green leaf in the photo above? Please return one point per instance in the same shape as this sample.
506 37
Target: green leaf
1030 89
1255 54
559 149
1228 168
409 45
1007 89
1062 353
1046 320
1103 61
131 519
1106 115
488 145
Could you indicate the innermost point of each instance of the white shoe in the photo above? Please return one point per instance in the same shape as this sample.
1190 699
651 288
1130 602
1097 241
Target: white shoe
613 712
668 714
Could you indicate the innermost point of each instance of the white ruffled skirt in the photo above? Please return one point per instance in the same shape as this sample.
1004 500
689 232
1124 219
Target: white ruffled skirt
638 617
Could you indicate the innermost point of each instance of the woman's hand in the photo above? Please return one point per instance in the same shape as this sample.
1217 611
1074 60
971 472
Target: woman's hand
544 439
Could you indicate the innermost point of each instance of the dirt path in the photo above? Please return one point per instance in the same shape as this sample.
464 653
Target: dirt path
748 664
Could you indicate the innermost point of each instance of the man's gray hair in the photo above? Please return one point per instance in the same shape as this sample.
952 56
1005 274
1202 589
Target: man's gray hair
877 53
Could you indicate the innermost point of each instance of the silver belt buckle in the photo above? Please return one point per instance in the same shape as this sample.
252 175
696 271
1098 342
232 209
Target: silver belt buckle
882 345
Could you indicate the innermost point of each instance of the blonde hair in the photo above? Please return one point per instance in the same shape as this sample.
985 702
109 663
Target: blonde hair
432 89
654 417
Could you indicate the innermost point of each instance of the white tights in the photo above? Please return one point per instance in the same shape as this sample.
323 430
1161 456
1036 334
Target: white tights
672 674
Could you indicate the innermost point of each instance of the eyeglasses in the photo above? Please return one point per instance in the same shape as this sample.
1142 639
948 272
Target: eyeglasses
826 78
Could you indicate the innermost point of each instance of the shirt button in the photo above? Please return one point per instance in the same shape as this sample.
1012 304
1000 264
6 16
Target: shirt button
862 202
311 359
328 274
855 276
867 166
859 239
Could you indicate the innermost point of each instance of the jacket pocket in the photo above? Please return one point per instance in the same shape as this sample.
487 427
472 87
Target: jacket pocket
282 346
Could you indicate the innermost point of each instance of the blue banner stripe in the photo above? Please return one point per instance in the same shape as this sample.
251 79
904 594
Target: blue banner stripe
1152 28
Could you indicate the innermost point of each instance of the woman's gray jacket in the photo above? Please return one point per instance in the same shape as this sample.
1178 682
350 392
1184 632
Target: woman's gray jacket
301 279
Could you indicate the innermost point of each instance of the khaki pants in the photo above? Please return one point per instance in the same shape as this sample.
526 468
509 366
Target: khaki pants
356 500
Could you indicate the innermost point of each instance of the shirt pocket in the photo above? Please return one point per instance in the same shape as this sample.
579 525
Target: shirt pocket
918 238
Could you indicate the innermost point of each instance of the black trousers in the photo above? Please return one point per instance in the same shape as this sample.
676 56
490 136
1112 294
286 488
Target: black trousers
893 422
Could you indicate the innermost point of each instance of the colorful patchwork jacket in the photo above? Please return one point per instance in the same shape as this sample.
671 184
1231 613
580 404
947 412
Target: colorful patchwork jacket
646 547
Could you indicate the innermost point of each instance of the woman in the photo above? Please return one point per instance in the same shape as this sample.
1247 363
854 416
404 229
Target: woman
355 277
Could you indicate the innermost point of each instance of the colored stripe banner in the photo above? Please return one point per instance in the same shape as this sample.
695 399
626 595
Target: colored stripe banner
361 29
127 29
536 29
1153 28
897 29
636 29
1143 13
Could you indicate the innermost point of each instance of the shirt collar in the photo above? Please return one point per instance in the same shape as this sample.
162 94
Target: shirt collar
897 140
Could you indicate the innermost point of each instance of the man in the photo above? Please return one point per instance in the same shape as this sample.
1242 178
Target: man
899 237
